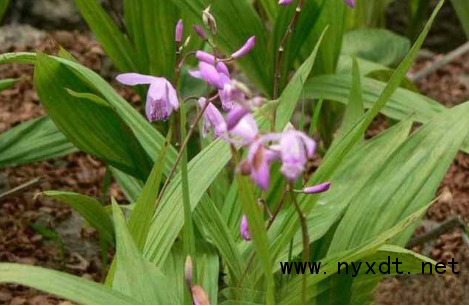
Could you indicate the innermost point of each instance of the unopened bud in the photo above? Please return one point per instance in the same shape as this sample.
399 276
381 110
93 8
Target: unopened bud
209 21
317 189
285 2
179 31
244 229
199 296
188 270
246 48
200 32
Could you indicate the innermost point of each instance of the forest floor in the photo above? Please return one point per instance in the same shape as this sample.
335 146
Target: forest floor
28 223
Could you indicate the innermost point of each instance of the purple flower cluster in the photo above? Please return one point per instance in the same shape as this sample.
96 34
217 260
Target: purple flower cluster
291 147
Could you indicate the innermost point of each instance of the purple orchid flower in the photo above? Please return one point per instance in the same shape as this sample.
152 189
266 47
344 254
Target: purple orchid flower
259 159
244 229
231 94
212 118
246 48
295 149
179 31
285 2
161 98
210 59
350 3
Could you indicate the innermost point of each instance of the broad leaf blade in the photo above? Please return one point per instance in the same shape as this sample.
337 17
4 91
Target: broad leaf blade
93 127
134 275
68 286
406 182
151 25
376 45
32 141
108 34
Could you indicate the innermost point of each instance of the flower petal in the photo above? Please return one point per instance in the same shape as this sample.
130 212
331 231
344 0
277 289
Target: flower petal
133 79
210 74
246 129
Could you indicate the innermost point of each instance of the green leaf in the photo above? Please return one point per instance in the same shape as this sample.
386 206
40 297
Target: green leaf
376 45
336 156
169 219
115 44
461 8
347 180
292 93
255 218
329 264
406 182
271 8
93 127
355 109
208 217
31 141
90 209
3 8
330 50
152 26
140 220
7 83
401 104
169 216
64 285
134 275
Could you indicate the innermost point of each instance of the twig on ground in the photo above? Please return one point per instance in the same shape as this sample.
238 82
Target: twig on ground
453 223
32 183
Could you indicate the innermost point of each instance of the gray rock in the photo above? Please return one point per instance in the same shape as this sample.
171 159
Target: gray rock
70 234
14 36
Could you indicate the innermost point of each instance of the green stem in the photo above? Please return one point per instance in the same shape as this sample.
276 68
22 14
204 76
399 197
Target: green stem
305 235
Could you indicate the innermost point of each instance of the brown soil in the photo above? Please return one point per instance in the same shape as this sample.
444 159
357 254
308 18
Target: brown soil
83 174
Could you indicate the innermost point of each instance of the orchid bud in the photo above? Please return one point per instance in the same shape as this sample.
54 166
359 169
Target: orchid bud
248 46
245 168
350 3
244 229
209 21
200 32
179 31
285 2
199 296
317 189
188 270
